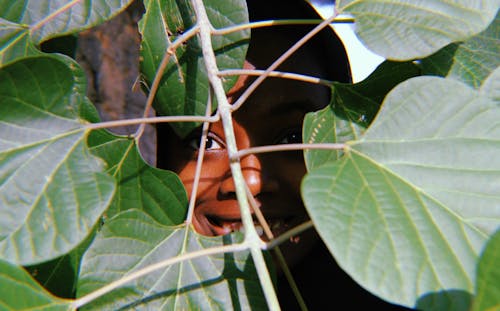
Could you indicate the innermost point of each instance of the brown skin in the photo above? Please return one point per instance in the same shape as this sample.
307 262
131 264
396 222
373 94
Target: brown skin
272 115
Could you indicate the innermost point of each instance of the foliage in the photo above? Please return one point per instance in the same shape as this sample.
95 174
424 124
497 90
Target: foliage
409 207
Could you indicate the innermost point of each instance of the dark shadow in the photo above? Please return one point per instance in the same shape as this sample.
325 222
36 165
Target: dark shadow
450 300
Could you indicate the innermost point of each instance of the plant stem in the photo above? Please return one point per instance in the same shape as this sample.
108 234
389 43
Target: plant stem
251 236
117 123
77 303
159 74
289 147
280 60
269 23
277 74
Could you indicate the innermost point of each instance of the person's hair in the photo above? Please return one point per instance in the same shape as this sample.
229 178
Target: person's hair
325 46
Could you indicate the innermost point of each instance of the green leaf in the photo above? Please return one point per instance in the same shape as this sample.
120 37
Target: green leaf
351 110
470 61
408 29
410 205
491 86
52 190
184 88
488 276
24 25
159 193
133 240
21 292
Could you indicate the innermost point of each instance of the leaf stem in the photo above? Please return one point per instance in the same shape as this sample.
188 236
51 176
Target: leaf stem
251 236
287 235
77 303
117 123
159 74
279 61
289 147
280 22
277 74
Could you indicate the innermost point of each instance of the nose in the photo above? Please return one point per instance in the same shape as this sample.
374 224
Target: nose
251 169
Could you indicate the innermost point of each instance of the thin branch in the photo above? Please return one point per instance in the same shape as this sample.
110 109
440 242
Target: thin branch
77 303
251 236
199 162
276 74
117 123
159 74
290 233
279 22
280 60
289 147
277 252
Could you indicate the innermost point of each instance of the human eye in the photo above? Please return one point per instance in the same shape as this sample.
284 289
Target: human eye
212 142
292 136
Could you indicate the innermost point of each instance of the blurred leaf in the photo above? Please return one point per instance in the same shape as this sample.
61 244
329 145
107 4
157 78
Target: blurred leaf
158 192
352 109
470 61
488 277
21 292
24 25
407 29
52 190
491 86
184 89
410 205
132 240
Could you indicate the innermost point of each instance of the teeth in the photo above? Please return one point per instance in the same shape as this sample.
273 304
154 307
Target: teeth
260 230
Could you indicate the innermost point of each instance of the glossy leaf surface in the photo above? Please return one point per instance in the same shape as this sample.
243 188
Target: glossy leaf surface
52 190
488 274
158 192
408 29
14 281
351 110
25 24
133 240
471 61
408 208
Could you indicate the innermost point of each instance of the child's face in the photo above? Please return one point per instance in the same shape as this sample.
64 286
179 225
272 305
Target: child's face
272 115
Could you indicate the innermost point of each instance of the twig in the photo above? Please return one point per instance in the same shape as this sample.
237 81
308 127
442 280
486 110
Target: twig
277 74
77 303
251 236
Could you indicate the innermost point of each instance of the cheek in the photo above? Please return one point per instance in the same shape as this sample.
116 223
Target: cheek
215 167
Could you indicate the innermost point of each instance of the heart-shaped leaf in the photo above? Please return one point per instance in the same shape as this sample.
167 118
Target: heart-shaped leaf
21 292
470 61
408 29
26 24
132 240
408 208
158 192
184 88
488 274
52 190
351 109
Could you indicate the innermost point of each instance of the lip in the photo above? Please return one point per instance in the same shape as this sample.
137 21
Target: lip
213 218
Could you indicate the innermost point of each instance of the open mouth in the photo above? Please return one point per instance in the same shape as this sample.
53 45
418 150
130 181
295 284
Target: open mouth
222 226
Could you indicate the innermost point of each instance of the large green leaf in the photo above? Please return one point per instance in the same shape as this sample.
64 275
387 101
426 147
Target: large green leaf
470 61
184 88
488 277
25 24
351 110
491 86
408 29
21 292
133 240
52 190
158 192
408 208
